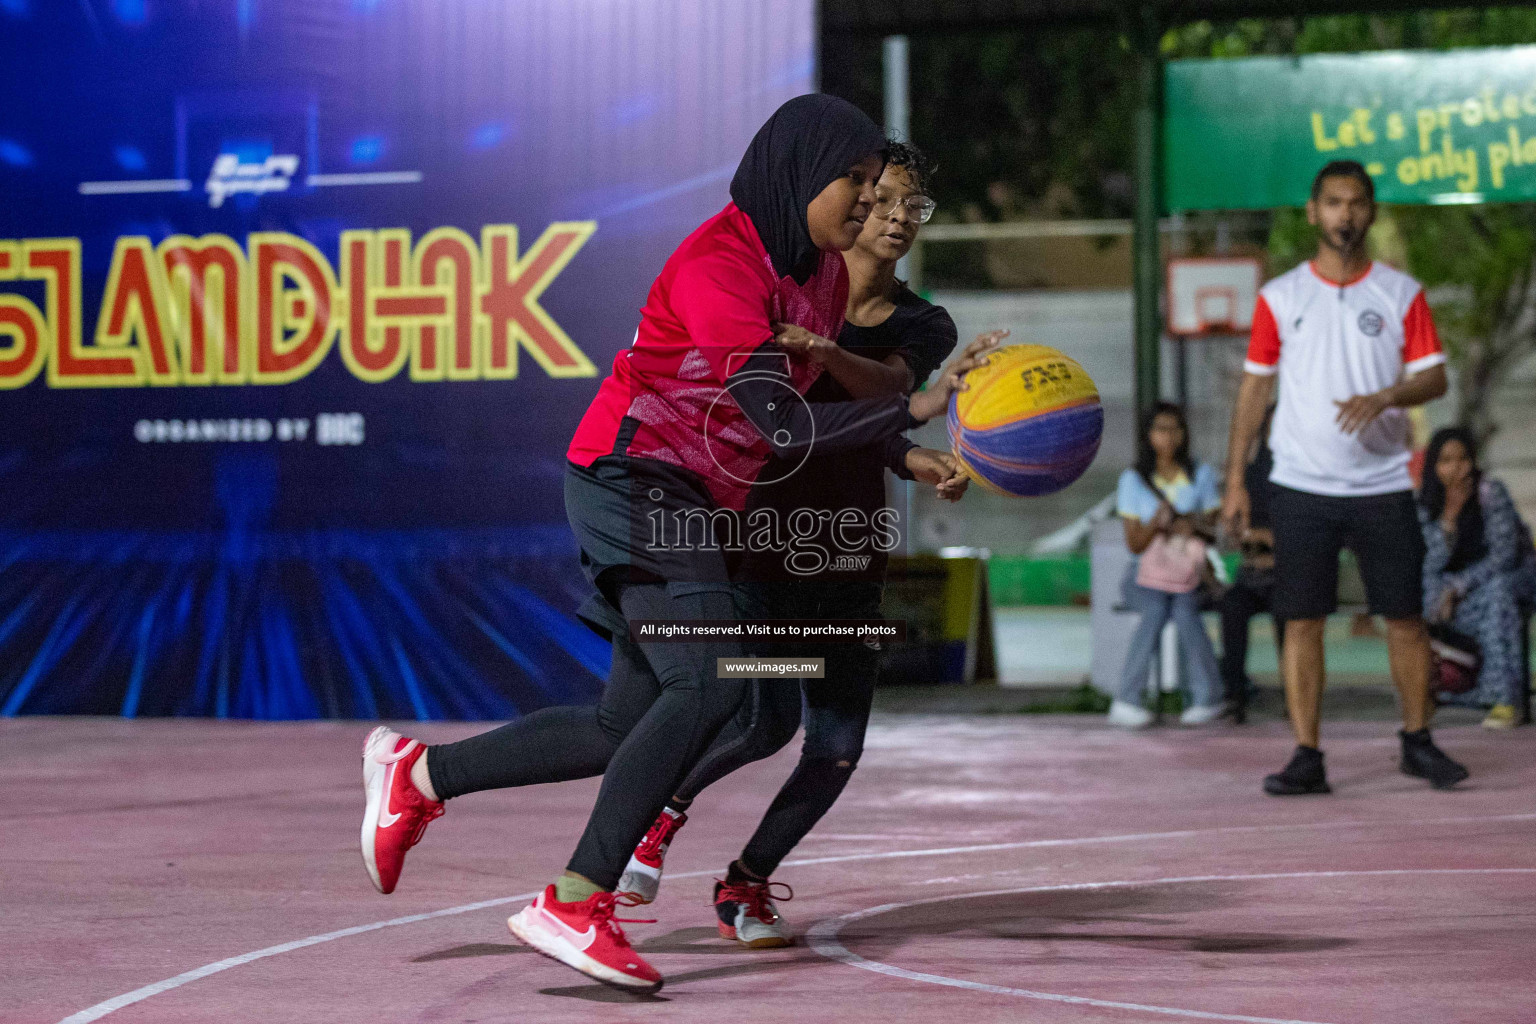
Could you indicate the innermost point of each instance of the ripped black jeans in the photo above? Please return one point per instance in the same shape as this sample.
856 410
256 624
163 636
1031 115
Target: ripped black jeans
835 711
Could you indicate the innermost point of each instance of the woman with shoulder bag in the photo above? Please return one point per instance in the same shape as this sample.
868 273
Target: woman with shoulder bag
1168 505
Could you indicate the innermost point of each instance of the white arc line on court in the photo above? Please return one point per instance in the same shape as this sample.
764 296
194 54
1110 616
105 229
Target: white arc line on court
101 1009
1033 844
823 936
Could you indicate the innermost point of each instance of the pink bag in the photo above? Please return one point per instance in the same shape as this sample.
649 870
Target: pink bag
1171 564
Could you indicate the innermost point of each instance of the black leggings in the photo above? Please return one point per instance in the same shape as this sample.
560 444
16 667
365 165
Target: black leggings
836 714
660 710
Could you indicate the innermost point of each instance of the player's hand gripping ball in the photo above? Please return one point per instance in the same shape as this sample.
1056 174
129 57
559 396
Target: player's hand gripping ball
1029 422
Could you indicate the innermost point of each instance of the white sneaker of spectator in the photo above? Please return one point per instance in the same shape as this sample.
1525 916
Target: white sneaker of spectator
1201 714
1129 716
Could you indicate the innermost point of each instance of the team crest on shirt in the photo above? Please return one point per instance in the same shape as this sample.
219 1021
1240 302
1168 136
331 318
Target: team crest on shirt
1372 322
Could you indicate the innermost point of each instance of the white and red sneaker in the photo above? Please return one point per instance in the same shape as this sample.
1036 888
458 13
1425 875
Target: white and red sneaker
585 936
396 813
642 875
747 914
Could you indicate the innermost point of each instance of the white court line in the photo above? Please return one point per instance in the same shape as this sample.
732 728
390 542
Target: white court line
115 188
100 1010
822 936
365 178
1030 844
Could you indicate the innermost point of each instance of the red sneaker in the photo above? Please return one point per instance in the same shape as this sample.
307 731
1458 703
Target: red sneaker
747 914
642 875
585 936
396 813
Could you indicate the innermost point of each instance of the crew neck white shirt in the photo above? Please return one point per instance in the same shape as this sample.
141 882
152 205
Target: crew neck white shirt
1330 342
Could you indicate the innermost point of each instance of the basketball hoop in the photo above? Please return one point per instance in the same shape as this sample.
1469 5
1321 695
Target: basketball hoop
1212 295
1207 298
1216 308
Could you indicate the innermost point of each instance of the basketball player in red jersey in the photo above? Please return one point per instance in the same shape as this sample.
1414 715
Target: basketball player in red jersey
682 428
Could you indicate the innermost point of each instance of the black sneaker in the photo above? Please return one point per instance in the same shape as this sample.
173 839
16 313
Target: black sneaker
1421 758
1302 776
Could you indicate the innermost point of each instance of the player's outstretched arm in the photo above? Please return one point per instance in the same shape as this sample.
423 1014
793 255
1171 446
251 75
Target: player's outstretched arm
934 399
793 427
860 376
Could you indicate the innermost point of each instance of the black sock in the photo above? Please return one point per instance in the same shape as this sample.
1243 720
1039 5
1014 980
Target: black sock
736 874
678 804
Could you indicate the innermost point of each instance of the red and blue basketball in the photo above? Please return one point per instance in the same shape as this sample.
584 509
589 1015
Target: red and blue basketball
1030 422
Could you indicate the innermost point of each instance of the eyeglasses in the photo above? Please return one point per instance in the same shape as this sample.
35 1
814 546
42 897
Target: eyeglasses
919 208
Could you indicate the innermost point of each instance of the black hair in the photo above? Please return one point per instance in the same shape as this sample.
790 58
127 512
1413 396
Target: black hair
1344 169
1146 458
1471 545
912 160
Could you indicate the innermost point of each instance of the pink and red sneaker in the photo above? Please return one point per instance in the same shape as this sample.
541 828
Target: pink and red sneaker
585 936
642 875
396 813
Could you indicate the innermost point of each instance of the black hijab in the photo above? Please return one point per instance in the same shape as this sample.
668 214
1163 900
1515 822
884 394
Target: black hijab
807 144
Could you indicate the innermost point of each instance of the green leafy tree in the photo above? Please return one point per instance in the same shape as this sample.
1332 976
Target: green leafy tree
1485 257
1478 261
1031 123
1019 123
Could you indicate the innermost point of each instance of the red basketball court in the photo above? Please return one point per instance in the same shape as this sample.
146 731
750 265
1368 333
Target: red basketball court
980 868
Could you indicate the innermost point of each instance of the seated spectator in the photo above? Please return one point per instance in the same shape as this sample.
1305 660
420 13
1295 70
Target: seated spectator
1479 569
1254 586
1166 500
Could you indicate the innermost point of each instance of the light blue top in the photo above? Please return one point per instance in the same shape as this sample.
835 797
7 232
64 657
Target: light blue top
1135 500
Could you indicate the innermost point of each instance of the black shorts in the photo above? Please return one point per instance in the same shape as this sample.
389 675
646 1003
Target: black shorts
1311 529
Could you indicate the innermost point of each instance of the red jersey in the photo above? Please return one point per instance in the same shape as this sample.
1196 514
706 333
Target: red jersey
711 308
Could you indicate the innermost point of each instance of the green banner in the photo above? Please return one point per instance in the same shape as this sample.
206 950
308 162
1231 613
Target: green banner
1431 127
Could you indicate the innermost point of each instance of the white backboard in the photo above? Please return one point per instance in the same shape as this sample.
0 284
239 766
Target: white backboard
1212 295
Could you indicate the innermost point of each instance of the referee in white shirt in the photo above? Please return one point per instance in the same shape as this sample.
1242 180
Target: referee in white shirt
1353 345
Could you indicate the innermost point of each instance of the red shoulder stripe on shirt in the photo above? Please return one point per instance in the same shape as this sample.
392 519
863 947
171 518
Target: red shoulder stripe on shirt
1264 342
1419 336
